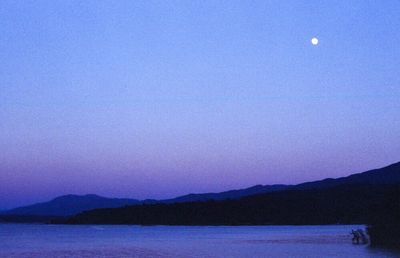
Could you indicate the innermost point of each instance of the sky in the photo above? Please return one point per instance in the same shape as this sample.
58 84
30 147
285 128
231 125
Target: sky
154 99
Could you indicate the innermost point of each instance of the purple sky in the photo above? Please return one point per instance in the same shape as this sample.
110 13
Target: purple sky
148 99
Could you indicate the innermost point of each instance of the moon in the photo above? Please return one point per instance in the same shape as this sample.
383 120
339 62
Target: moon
314 41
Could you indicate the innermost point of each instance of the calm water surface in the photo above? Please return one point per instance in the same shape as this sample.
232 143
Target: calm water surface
35 240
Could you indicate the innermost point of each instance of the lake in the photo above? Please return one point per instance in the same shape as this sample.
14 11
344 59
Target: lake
37 240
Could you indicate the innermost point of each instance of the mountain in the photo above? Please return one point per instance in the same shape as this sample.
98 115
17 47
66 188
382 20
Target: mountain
384 176
359 198
68 205
339 205
232 194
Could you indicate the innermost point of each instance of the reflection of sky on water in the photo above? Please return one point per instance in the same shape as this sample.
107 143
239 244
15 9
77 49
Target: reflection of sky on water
181 241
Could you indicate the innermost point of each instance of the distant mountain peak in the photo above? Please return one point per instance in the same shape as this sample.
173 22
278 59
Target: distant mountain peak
71 204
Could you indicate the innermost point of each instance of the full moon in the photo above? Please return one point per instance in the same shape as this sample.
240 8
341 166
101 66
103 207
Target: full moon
314 41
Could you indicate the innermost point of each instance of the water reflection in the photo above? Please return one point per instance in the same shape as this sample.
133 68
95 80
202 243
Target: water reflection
19 240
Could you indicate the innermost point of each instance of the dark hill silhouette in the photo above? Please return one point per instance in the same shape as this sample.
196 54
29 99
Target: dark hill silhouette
384 176
68 205
353 199
73 204
338 205
232 194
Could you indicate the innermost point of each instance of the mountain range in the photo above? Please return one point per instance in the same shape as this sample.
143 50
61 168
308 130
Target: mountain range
69 205
363 198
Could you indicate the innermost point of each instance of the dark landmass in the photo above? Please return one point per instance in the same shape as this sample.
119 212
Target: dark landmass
342 205
355 199
385 234
384 176
384 222
232 194
68 205
29 218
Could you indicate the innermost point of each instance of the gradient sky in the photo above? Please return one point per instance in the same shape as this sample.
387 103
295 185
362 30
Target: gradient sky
153 99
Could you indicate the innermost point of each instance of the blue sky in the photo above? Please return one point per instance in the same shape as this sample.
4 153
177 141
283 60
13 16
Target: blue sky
152 99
